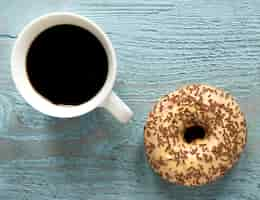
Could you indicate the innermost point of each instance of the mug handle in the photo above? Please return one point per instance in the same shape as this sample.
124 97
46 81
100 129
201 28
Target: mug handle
117 108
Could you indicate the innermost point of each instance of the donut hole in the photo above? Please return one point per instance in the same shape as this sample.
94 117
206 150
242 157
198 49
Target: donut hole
194 132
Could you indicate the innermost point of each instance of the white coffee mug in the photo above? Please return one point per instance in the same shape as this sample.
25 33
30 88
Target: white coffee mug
104 98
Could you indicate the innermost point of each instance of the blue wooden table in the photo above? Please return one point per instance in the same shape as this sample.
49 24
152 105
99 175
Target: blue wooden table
161 45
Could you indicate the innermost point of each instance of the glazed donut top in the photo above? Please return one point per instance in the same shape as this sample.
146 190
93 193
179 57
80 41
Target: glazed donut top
216 131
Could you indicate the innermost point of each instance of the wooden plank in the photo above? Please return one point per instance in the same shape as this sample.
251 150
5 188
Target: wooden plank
160 45
15 14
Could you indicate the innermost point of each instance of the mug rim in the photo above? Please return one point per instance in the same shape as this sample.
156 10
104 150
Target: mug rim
23 84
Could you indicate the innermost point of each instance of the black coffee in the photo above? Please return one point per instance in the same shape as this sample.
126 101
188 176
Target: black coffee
67 65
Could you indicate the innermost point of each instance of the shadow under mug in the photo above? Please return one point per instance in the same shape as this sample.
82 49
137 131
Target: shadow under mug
104 98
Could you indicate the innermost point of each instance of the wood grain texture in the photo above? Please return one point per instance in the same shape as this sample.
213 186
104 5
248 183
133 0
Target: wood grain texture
160 45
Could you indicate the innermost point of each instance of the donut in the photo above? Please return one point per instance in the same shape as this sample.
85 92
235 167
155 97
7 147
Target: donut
194 135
